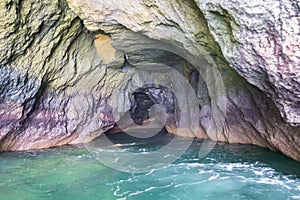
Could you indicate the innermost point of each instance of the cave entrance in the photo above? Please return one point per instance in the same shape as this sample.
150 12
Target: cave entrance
151 114
174 73
152 107
142 104
151 101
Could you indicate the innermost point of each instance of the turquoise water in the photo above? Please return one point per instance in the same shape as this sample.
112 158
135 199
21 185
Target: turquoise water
227 172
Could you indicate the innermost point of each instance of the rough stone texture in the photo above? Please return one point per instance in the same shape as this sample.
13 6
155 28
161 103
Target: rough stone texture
47 65
261 40
57 88
180 27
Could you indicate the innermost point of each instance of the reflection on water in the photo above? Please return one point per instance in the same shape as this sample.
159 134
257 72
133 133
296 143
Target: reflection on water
228 172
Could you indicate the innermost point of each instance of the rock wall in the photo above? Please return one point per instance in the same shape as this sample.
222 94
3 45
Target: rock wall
261 41
185 29
63 78
47 61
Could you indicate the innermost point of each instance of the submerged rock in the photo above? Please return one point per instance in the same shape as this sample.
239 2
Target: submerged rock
62 81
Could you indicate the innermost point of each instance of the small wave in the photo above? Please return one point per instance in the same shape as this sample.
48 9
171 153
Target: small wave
189 184
128 194
214 177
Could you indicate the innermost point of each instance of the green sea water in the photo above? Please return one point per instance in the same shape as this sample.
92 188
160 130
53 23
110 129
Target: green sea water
229 171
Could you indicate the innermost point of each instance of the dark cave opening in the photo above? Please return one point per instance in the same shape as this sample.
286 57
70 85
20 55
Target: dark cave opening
152 106
146 97
152 100
140 112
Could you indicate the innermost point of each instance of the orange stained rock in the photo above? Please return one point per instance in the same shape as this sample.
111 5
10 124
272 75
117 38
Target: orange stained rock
104 48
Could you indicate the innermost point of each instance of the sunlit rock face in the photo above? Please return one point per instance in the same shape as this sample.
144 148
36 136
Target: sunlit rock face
64 78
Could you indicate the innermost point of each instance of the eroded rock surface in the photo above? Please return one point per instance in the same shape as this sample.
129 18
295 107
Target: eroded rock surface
48 66
64 79
261 41
181 28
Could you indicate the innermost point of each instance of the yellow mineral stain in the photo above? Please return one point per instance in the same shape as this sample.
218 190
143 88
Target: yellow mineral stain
104 48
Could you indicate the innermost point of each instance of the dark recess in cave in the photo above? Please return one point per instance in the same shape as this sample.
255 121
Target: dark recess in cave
146 97
142 102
